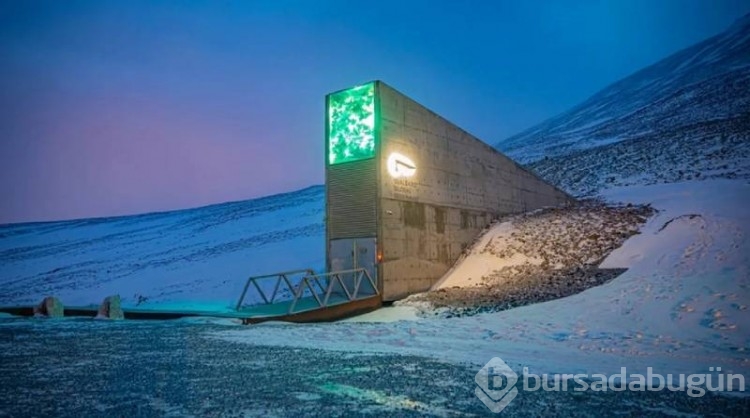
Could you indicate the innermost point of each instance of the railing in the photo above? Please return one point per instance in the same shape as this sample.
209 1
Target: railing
280 277
319 286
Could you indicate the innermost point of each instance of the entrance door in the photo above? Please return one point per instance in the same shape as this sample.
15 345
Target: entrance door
353 253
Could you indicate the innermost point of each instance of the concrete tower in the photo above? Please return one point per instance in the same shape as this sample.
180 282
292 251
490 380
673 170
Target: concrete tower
407 191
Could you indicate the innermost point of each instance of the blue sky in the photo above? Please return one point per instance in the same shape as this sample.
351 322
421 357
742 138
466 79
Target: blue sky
120 107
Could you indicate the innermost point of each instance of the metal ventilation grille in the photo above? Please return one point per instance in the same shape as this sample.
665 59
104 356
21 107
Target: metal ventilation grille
352 199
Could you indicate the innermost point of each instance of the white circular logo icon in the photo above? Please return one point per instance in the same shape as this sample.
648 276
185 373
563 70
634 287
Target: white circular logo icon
400 166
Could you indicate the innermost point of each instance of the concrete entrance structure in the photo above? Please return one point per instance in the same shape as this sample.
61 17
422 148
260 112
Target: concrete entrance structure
407 191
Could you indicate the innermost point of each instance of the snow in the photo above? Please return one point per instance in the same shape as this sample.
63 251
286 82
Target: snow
387 314
196 259
589 124
704 82
537 243
680 308
482 264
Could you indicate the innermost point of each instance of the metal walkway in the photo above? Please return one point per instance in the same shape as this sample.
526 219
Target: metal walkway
306 296
293 296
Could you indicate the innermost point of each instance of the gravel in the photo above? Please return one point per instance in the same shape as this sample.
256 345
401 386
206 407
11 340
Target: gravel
564 246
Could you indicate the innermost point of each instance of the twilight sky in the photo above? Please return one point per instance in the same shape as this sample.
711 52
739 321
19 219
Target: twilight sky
121 107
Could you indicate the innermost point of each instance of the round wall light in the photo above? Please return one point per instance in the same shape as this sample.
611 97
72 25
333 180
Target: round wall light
400 166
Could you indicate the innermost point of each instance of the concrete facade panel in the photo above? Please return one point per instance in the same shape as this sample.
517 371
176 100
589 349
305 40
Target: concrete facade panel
426 221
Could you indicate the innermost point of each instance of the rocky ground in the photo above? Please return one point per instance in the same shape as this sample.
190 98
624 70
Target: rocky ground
701 151
539 256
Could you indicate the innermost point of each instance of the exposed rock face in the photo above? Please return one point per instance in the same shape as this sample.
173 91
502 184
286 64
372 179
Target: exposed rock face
50 307
110 308
523 286
539 256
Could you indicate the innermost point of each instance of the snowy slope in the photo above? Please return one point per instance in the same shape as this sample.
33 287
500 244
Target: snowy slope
681 307
682 304
195 255
655 125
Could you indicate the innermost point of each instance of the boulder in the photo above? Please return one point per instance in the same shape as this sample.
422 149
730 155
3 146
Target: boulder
110 308
50 307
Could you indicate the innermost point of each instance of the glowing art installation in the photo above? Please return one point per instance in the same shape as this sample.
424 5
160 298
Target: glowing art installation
351 124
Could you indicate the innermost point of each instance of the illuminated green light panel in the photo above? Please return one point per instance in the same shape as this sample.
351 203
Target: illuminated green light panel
351 124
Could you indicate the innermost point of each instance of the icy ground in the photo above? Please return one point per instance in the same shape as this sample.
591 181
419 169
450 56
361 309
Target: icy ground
681 307
85 368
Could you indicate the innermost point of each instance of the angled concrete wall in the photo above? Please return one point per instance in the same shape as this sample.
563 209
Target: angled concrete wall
460 184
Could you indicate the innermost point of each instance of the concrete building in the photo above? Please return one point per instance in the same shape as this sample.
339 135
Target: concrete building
408 191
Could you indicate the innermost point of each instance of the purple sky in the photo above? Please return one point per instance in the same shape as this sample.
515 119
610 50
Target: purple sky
121 107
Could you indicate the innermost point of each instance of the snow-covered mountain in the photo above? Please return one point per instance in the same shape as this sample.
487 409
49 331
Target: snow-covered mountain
192 256
681 306
685 117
